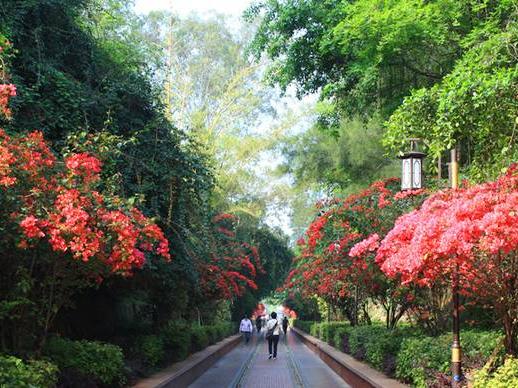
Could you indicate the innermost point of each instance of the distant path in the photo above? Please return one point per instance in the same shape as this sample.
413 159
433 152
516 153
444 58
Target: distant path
248 366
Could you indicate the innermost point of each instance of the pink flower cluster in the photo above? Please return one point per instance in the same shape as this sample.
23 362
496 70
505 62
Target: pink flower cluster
473 229
370 244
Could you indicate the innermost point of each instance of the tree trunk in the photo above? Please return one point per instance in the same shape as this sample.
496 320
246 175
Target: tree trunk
511 331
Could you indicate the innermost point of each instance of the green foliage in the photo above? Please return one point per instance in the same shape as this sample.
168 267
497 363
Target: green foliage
365 53
303 325
474 105
176 338
444 71
506 376
199 338
17 373
377 345
151 349
327 330
340 334
314 329
394 351
91 74
223 330
212 334
434 354
100 361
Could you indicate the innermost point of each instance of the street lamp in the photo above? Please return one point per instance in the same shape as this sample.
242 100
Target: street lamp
412 167
456 350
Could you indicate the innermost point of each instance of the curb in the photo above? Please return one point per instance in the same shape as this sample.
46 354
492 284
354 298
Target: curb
352 371
183 373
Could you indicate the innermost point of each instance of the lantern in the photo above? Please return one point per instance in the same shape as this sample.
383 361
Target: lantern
412 168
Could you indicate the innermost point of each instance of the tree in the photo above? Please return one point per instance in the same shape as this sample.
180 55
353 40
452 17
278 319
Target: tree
475 105
62 234
213 92
366 55
470 233
337 257
85 76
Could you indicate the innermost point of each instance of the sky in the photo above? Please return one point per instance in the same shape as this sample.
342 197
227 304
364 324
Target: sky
234 8
184 7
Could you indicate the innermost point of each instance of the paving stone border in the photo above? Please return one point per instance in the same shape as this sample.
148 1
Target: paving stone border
352 371
181 374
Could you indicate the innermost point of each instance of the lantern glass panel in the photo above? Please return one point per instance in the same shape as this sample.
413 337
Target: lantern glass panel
416 163
406 176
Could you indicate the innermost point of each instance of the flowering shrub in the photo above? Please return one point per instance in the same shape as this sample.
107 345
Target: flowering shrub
61 205
471 231
6 92
57 222
233 265
504 377
337 254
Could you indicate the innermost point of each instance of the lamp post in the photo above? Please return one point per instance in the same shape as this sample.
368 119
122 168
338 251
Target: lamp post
456 350
412 167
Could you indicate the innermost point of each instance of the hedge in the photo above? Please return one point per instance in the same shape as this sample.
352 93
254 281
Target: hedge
94 360
404 352
177 340
150 349
14 372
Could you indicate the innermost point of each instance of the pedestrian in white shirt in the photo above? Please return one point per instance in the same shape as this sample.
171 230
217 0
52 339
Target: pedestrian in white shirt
246 328
273 330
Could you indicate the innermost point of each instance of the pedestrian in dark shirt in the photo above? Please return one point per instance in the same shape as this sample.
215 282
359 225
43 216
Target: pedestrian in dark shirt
259 323
285 324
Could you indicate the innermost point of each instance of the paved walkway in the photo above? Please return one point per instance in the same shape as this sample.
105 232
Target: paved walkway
248 366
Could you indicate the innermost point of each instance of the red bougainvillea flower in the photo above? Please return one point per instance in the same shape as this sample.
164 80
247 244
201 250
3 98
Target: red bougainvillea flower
6 92
69 213
84 165
233 264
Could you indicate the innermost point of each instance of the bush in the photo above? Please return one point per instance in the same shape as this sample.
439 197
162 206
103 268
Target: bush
150 348
212 334
303 325
327 330
435 352
17 373
505 376
202 336
322 330
177 340
221 331
100 361
314 329
199 338
341 338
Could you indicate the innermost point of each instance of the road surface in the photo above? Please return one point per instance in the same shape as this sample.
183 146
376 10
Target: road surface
248 366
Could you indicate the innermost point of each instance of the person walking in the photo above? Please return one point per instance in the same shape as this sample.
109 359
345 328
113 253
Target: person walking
259 323
246 328
285 324
273 331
